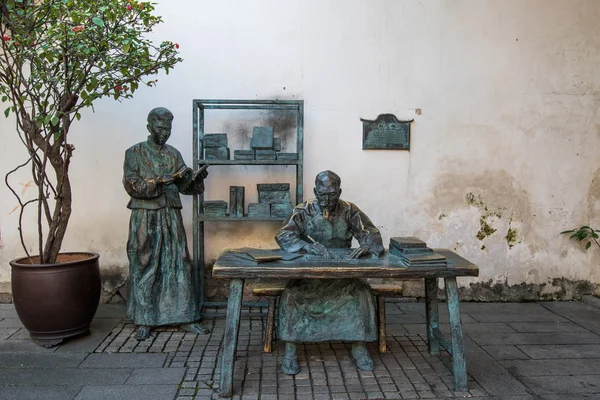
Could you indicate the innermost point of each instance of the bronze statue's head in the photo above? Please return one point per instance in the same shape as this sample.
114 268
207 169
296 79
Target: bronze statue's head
159 125
327 190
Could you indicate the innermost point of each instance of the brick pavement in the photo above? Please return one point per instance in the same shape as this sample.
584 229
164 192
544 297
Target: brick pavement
514 352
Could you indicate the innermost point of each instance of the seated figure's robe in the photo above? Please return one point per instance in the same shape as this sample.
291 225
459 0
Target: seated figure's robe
315 310
163 289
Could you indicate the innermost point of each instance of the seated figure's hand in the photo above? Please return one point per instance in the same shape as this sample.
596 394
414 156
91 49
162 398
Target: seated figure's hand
318 249
359 252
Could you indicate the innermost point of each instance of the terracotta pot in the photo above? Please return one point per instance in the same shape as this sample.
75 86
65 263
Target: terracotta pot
56 301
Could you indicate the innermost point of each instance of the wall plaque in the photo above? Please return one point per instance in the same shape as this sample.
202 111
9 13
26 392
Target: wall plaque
386 133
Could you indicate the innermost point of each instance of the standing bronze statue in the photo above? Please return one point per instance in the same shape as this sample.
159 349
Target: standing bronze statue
163 287
316 310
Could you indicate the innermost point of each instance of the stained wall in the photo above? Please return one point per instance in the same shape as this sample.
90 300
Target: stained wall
505 139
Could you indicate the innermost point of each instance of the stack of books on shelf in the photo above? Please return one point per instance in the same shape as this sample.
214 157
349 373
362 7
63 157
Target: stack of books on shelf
215 146
273 201
264 146
414 253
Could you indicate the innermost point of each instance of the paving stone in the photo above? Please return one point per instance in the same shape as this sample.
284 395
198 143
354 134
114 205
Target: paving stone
561 351
580 396
553 367
5 333
563 384
51 360
489 374
547 327
507 317
156 376
580 313
12 322
519 338
505 352
23 346
62 376
129 392
20 334
496 308
39 392
124 360
99 329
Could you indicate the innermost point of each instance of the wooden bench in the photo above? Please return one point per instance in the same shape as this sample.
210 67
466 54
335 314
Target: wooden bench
380 289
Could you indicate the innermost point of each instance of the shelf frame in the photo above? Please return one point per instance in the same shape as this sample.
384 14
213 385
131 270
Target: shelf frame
199 106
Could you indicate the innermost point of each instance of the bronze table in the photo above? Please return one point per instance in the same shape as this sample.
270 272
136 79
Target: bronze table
235 267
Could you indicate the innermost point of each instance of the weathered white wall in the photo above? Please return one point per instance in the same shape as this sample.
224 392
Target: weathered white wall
509 130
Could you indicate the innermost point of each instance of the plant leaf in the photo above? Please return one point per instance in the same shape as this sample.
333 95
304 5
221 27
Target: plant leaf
126 48
587 246
98 21
54 121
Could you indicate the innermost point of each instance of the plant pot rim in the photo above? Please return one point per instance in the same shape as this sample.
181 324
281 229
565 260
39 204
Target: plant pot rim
18 262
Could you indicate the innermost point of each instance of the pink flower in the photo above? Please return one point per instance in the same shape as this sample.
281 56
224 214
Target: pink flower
118 88
6 38
129 7
78 28
176 45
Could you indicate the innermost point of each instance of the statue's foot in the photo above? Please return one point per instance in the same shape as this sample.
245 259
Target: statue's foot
196 327
290 366
143 332
362 357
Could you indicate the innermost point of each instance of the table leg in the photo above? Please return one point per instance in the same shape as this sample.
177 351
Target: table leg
232 327
431 314
459 365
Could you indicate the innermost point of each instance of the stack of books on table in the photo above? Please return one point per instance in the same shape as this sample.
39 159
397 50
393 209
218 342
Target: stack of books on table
414 253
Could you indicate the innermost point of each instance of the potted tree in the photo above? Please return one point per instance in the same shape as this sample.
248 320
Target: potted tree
58 57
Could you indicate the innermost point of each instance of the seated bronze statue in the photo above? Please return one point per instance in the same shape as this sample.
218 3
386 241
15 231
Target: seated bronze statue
317 310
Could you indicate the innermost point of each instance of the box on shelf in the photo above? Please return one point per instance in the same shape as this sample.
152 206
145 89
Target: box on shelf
243 154
266 155
287 156
259 210
215 140
281 210
216 153
273 193
236 201
262 138
215 208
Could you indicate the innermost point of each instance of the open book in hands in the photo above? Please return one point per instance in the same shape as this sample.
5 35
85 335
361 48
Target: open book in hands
183 172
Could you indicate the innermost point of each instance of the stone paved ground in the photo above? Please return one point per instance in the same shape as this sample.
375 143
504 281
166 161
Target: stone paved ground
522 351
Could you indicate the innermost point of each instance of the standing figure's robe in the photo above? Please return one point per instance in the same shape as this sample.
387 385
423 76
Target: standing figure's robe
315 310
163 289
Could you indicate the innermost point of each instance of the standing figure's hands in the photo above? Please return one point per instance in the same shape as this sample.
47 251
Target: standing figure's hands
201 174
359 252
166 179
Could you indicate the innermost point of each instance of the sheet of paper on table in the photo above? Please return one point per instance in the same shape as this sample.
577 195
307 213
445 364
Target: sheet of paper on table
264 255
